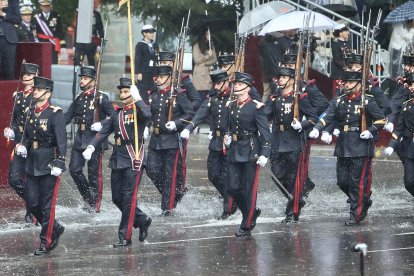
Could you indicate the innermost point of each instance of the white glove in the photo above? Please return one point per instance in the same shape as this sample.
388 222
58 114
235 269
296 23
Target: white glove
366 135
227 140
296 125
314 133
56 171
133 90
21 150
389 127
8 133
210 135
326 137
195 131
96 127
171 125
87 154
261 161
185 134
146 133
336 132
388 151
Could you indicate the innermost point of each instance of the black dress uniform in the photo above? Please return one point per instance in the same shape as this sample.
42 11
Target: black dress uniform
45 141
354 154
339 50
165 166
25 32
403 138
247 119
288 145
82 112
215 111
125 178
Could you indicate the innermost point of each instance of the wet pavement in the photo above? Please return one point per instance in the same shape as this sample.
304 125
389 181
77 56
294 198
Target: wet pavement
194 242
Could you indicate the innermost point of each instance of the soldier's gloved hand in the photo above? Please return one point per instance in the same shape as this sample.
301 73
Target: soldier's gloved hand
210 135
389 151
227 140
326 137
195 131
296 125
146 133
314 133
389 127
96 127
261 161
21 150
171 125
366 135
87 154
185 134
336 132
135 93
56 171
8 133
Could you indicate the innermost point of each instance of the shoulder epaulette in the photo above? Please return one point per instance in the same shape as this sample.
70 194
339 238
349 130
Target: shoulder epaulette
117 107
55 108
303 95
258 104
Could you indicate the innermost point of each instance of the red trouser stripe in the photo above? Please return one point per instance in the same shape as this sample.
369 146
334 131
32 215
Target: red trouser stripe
361 190
174 181
298 183
254 196
369 179
231 201
100 184
133 206
184 166
52 214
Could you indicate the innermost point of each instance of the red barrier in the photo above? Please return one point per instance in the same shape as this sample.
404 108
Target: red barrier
39 53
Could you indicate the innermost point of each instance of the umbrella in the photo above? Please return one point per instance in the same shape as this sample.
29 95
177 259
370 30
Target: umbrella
341 9
258 16
295 19
200 24
401 13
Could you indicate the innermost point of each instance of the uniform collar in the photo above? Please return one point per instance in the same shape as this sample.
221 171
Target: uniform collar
354 96
43 107
244 102
88 92
287 94
165 90
128 107
27 91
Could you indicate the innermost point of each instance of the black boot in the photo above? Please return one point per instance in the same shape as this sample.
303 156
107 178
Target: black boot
143 230
364 212
42 250
289 219
243 233
309 186
256 214
55 241
167 213
123 243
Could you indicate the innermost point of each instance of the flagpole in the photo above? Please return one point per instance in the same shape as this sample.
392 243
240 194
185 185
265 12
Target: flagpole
132 77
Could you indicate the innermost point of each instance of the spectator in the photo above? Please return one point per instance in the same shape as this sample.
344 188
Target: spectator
9 16
270 58
402 38
26 31
340 47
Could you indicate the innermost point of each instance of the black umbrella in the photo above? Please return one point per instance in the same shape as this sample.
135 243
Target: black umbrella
344 10
200 24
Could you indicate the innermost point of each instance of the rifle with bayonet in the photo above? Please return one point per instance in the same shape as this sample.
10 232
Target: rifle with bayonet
98 77
308 52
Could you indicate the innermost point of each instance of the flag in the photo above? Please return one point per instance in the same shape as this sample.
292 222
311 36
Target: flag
120 3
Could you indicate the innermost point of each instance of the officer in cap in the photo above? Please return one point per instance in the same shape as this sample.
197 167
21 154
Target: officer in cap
126 170
171 111
246 152
87 110
340 48
22 103
354 147
288 144
26 30
145 61
215 111
44 146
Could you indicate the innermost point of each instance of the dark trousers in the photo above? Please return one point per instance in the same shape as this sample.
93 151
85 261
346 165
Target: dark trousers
242 184
41 194
163 169
17 174
7 59
285 167
91 188
217 174
354 179
124 186
409 175
145 85
85 49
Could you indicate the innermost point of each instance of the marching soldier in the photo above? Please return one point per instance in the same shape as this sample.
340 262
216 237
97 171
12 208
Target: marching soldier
49 28
126 169
403 137
164 166
289 138
354 148
26 31
87 110
22 103
247 151
44 146
215 111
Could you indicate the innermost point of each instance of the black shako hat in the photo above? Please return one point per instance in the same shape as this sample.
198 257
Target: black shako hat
352 76
408 59
409 78
218 76
88 72
359 59
166 56
243 77
225 59
30 68
285 71
124 83
164 70
289 58
43 83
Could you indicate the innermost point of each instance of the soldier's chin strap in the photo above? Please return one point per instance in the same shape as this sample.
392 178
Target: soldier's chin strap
284 85
241 89
221 87
350 91
38 98
159 85
85 87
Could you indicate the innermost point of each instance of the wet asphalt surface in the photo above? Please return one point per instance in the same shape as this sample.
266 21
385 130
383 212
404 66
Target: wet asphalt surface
194 242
